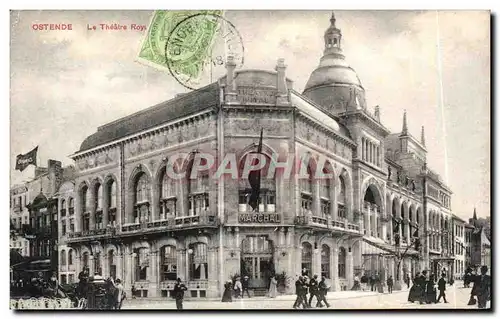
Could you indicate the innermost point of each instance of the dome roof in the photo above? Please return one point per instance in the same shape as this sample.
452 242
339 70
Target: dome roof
333 69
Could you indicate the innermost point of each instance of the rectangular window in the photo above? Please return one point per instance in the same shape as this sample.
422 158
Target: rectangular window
72 225
64 228
63 280
341 211
71 279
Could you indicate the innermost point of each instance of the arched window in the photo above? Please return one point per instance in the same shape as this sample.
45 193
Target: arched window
306 189
168 264
84 198
342 262
97 264
63 208
197 189
325 261
63 257
325 193
142 195
111 201
168 200
341 199
111 191
70 257
306 257
267 196
85 259
141 263
198 261
111 263
141 189
98 196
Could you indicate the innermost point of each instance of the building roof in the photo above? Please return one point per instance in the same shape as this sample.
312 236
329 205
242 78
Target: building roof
156 115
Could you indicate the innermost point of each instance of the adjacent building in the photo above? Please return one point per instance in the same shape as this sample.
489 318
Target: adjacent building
122 215
459 247
19 216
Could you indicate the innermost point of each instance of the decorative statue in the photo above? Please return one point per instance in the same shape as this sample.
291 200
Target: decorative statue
389 173
407 180
413 186
399 177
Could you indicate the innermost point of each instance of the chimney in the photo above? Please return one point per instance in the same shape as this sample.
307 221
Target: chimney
230 94
55 176
422 136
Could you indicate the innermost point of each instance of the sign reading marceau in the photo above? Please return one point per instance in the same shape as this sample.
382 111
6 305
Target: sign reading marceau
259 218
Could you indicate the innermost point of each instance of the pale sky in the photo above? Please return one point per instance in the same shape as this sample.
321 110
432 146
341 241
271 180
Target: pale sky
64 84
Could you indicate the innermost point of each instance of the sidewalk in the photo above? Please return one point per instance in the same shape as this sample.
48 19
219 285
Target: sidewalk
332 295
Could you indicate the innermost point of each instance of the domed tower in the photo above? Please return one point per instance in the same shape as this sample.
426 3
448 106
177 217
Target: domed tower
334 85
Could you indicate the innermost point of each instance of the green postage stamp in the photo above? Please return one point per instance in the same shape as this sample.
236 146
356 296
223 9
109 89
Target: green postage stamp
180 41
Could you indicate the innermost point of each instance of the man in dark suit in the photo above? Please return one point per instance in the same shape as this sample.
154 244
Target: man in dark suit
442 288
179 289
483 288
299 291
322 291
313 289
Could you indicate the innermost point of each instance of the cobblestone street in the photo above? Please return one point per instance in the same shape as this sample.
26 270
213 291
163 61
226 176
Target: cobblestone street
456 295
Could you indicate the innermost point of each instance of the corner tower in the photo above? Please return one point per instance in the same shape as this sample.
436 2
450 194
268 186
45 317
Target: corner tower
334 85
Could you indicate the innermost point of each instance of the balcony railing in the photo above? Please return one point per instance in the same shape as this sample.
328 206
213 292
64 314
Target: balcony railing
324 222
171 224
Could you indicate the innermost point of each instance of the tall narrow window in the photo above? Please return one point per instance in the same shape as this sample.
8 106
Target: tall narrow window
198 261
197 189
168 200
63 257
306 188
341 200
342 262
168 263
141 263
325 261
306 257
111 263
142 210
70 257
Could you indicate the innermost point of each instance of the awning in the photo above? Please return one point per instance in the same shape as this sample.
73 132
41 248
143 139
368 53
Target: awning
371 247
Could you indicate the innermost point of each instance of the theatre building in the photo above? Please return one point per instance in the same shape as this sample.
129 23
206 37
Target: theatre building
133 221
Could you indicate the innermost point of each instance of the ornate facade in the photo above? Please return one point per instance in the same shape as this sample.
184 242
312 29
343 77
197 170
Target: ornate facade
125 217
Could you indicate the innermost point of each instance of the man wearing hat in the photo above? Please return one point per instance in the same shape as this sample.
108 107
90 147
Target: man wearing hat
244 285
179 289
483 288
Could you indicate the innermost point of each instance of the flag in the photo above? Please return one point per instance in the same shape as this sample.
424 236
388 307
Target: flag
254 180
24 160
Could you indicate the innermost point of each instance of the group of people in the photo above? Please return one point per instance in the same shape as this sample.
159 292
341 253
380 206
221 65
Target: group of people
481 289
237 288
315 288
425 287
37 286
112 291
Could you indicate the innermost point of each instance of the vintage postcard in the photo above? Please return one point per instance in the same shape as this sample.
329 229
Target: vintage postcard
218 159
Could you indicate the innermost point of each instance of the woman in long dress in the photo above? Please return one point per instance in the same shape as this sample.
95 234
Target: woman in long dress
273 287
227 296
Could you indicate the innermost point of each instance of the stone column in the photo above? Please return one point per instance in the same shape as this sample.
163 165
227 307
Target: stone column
375 221
182 271
91 265
105 204
369 226
335 269
153 274
349 268
333 198
316 198
91 207
316 262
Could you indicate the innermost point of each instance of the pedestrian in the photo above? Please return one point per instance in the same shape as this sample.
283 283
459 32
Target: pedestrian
244 285
357 284
431 290
322 291
238 288
227 296
179 289
372 282
483 291
134 291
407 280
390 283
305 272
442 288
364 281
299 287
119 293
272 288
313 289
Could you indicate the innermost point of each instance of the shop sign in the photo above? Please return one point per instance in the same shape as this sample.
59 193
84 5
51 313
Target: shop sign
260 218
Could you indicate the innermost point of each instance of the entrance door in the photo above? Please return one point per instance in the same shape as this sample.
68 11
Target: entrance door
257 261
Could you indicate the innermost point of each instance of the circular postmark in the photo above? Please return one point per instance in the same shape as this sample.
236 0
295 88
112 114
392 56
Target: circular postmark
197 48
